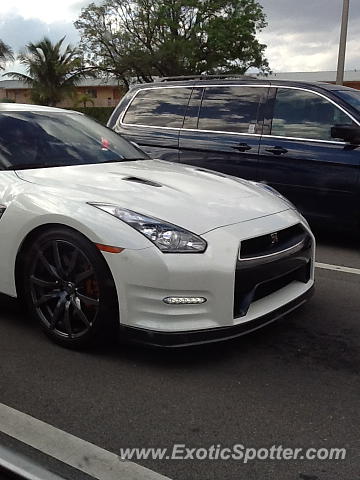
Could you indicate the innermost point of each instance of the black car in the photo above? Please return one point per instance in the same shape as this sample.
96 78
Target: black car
301 138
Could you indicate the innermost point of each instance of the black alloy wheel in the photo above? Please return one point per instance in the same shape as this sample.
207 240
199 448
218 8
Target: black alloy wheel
69 289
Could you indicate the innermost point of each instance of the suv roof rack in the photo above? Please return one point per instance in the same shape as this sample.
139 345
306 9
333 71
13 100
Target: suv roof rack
207 77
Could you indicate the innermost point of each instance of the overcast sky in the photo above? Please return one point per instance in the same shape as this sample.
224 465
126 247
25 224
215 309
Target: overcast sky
302 35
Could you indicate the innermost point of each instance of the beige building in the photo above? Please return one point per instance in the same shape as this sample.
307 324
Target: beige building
107 93
351 77
103 93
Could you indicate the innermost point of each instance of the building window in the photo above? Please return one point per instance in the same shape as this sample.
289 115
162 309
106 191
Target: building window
92 92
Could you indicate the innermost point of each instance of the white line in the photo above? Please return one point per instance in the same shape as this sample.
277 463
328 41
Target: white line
67 448
338 268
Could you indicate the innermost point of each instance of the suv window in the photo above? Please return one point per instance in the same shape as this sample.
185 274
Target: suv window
158 107
232 109
303 114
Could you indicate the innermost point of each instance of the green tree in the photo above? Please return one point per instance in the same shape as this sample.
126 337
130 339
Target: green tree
52 71
144 38
6 54
82 99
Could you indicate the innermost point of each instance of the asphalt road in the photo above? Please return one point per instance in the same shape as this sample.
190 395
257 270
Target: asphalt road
294 383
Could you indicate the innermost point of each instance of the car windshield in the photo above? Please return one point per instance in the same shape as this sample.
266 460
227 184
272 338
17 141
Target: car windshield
49 139
351 97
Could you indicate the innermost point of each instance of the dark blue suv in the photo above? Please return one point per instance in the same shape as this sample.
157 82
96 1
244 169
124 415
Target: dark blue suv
301 138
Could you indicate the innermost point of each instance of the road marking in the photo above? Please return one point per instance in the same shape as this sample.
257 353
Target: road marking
67 448
338 268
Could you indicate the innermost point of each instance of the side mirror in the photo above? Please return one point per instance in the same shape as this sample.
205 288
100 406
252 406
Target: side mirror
348 133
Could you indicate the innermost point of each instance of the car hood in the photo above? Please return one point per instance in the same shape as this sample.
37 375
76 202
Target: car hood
193 198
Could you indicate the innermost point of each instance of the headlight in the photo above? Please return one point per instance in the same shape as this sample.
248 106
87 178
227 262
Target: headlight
167 237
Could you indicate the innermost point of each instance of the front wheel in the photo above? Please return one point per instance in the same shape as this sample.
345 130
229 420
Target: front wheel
68 288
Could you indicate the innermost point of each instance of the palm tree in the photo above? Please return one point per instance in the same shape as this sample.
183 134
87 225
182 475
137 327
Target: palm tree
83 99
52 72
6 54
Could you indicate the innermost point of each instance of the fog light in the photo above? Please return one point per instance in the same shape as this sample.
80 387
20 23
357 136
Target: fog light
184 300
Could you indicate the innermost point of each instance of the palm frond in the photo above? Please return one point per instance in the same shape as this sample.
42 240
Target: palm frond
6 54
19 76
52 70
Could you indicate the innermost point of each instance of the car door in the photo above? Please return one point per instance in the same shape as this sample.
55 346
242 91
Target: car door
299 157
222 129
153 119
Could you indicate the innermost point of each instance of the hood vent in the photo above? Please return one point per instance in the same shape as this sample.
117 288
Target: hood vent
143 181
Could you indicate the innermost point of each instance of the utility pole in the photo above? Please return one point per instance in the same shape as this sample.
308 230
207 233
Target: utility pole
342 46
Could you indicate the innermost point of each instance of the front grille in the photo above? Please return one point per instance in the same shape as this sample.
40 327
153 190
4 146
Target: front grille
263 269
301 274
273 243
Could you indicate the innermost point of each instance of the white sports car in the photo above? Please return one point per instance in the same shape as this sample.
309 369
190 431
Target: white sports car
97 237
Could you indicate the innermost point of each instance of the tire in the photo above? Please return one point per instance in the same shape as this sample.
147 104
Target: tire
68 288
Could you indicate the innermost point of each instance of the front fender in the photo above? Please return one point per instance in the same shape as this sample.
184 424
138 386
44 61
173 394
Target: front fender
29 211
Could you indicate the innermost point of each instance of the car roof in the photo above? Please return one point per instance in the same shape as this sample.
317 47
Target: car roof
240 81
25 107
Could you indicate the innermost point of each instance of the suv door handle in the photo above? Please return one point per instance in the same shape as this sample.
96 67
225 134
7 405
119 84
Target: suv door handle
276 150
242 147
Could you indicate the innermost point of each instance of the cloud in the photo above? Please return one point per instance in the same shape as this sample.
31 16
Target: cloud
77 6
17 31
301 35
307 15
304 36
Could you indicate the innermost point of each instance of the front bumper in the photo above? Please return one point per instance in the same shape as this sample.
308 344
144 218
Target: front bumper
143 278
200 337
